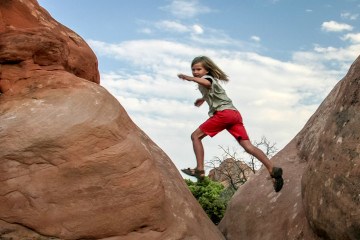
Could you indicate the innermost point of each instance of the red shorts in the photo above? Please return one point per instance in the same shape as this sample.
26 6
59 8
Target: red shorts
230 120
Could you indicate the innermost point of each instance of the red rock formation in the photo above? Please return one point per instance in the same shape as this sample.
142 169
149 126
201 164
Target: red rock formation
330 143
321 195
72 163
32 42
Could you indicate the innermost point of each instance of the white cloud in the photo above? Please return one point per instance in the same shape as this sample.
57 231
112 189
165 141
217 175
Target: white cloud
146 30
321 57
348 15
186 9
172 26
255 38
308 10
352 37
194 33
152 54
333 26
324 50
198 29
217 38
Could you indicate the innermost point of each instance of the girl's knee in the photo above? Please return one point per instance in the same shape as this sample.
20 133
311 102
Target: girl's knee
194 136
197 135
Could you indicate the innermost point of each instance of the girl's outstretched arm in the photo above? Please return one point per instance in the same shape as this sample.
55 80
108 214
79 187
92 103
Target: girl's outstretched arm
201 81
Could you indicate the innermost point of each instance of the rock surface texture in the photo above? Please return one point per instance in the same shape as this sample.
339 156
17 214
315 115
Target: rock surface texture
72 163
321 195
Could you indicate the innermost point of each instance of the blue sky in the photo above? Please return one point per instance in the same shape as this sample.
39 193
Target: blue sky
283 58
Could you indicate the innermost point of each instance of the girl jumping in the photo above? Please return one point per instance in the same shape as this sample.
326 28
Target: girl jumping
223 115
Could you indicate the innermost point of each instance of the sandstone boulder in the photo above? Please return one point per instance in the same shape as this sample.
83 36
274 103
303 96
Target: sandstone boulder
32 41
321 195
74 166
72 163
330 143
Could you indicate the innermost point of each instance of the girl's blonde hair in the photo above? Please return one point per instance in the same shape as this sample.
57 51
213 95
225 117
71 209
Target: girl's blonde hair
211 67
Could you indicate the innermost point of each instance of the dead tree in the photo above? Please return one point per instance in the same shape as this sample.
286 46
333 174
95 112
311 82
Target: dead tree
234 170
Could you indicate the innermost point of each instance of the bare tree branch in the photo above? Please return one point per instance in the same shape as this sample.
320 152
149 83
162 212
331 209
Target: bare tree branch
234 170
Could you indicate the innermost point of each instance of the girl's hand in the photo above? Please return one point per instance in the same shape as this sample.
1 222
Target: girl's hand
184 77
199 102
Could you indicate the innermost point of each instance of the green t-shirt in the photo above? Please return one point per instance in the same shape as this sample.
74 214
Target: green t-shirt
215 96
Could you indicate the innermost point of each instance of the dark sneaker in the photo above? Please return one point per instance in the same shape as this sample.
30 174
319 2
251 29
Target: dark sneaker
277 175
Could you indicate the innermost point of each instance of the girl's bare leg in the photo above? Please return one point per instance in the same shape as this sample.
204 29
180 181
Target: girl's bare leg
256 152
260 155
196 138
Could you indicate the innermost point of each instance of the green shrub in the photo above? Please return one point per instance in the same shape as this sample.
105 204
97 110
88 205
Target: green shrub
208 193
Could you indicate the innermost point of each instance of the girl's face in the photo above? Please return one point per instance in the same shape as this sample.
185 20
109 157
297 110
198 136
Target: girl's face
198 70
